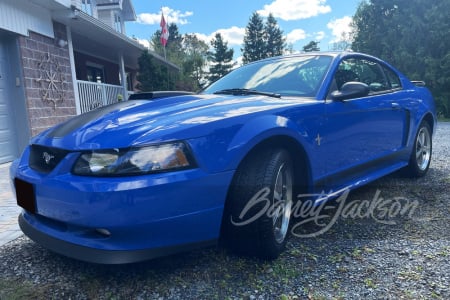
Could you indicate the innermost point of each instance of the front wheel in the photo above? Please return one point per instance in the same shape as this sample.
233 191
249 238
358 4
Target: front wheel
258 207
420 158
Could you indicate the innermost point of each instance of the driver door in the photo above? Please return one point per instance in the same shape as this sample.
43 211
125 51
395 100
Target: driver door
361 134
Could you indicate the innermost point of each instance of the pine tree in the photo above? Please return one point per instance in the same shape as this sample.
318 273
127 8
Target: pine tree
254 40
152 76
221 58
275 42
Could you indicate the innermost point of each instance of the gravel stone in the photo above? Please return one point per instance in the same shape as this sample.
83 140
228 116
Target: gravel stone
388 257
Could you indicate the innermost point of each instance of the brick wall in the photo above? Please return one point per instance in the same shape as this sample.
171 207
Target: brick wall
47 79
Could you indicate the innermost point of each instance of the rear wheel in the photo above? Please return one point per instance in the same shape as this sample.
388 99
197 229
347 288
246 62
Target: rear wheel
420 159
258 207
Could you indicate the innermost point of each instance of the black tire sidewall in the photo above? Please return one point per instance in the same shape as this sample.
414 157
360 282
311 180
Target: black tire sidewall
255 174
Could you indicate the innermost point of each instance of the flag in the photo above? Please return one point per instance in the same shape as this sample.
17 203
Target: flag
164 31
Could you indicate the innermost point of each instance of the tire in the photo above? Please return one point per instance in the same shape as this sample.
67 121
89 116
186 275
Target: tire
258 207
420 158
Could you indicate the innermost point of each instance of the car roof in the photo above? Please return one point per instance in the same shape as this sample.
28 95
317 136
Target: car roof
334 54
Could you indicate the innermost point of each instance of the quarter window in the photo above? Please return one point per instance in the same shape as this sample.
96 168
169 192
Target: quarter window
393 79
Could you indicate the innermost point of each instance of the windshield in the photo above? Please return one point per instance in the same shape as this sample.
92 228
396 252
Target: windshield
288 76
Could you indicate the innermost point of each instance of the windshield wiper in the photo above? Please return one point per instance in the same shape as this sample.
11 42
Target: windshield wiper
241 92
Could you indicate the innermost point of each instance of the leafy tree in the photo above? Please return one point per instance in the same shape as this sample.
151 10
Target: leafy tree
254 44
221 58
187 52
311 46
275 42
152 76
194 60
413 36
375 26
344 43
289 49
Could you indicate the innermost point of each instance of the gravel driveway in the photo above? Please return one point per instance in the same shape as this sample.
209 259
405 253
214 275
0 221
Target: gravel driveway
401 250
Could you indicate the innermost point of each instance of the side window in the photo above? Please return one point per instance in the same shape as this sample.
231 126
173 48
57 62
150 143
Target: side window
362 70
394 81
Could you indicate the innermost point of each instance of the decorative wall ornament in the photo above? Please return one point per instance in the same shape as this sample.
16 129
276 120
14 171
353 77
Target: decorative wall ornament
52 81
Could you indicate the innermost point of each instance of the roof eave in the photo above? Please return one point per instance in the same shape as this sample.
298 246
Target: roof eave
78 19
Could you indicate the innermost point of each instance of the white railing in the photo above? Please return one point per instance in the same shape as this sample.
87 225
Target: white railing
94 95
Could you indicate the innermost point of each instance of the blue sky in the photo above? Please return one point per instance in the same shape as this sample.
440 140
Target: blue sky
301 20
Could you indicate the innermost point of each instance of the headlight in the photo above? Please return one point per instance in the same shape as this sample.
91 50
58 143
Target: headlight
134 161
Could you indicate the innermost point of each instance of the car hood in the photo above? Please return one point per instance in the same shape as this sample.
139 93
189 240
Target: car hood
140 122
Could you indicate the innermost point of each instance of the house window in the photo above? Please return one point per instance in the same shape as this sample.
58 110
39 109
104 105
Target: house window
95 73
86 6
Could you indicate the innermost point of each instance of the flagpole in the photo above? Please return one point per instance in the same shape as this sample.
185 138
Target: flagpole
164 49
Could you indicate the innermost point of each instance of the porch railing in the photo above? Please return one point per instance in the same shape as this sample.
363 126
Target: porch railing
94 95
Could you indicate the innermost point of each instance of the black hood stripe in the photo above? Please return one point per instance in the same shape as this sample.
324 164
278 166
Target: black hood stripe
83 119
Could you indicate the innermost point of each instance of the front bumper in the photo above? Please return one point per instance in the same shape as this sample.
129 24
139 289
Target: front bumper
126 219
100 256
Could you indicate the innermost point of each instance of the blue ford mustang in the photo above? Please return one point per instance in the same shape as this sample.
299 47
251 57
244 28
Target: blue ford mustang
149 177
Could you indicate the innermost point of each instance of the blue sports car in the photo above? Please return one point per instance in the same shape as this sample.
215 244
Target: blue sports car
150 177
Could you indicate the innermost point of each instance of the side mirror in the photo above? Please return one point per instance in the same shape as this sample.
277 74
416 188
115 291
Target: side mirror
349 90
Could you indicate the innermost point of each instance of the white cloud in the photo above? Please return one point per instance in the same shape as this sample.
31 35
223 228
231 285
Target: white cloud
289 10
239 61
148 19
319 36
295 36
144 42
234 36
339 27
171 16
203 37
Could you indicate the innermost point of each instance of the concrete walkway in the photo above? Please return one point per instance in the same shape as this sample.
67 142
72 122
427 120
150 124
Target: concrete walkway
9 228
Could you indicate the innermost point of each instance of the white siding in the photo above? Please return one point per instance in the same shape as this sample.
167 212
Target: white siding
19 16
106 16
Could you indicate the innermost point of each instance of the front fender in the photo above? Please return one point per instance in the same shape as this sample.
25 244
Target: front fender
216 154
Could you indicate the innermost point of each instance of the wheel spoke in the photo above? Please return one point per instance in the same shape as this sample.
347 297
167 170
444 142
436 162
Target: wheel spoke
420 139
282 203
423 148
418 155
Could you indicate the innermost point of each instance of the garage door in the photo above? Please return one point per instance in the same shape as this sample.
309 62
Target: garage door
7 140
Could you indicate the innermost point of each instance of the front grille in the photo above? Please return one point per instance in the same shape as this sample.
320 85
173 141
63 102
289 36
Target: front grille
45 159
